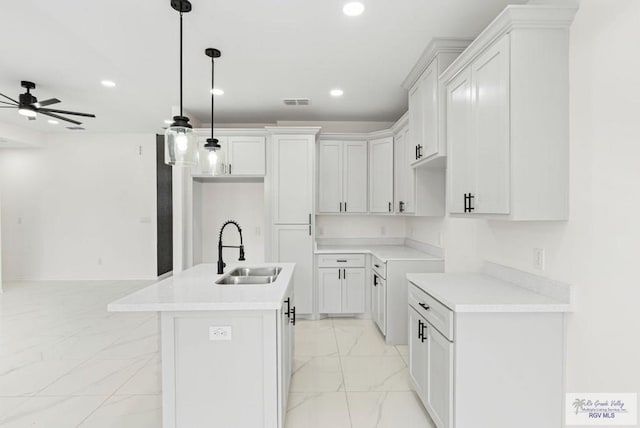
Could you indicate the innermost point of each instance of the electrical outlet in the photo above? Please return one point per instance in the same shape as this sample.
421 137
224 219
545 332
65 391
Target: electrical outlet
538 258
100 261
383 230
220 332
19 220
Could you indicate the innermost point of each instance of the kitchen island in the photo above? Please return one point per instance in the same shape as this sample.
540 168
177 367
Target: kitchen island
227 350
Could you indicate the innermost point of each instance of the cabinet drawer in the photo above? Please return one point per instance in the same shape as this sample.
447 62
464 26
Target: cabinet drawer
379 266
341 260
432 310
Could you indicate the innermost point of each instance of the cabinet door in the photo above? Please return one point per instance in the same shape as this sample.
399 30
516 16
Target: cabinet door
381 175
353 286
429 89
293 179
293 244
416 118
330 290
355 177
382 305
330 179
375 316
439 378
417 353
409 180
399 170
460 143
246 155
490 83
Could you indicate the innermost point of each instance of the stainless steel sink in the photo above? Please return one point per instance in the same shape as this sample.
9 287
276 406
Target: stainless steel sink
256 271
250 280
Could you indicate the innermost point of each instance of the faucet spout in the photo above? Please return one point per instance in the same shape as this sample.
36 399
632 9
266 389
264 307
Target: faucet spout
221 263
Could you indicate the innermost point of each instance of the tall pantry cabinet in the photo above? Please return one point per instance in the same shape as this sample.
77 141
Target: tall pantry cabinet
292 206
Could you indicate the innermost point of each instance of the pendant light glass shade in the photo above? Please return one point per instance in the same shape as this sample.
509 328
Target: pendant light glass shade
180 144
211 161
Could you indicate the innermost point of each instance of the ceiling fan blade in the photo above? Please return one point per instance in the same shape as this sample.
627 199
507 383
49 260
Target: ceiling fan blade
46 102
75 122
10 99
50 110
11 104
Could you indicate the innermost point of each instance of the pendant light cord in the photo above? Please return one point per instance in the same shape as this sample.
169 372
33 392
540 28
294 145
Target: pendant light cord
180 63
212 94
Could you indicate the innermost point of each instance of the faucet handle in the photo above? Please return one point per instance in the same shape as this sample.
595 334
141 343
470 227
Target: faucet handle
241 253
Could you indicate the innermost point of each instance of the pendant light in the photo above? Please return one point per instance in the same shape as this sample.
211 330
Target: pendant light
211 156
180 140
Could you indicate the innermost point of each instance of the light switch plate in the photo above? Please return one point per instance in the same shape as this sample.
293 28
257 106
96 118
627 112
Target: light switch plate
220 332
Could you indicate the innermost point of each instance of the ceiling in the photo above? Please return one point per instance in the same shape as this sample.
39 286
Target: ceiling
271 49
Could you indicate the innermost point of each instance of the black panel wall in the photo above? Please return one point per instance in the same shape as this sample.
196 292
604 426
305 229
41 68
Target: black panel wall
165 210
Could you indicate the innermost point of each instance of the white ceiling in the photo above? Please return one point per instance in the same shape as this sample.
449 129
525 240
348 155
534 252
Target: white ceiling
271 49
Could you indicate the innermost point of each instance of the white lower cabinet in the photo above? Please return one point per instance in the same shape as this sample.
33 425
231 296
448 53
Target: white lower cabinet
485 369
379 303
341 290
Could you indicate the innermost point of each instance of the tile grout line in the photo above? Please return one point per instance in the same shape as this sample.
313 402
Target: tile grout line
344 384
114 392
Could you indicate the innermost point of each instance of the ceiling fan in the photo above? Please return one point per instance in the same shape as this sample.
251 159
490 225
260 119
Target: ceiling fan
29 106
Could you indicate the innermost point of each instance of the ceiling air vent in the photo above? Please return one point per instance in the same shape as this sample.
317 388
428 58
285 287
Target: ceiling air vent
75 128
297 101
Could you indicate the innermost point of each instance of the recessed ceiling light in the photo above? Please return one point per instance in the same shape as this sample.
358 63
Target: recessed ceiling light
108 83
217 91
336 92
53 122
353 8
168 121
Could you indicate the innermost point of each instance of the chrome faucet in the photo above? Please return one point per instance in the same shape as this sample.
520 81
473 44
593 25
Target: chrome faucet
222 264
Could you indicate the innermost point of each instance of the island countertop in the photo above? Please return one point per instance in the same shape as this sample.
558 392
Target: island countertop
195 290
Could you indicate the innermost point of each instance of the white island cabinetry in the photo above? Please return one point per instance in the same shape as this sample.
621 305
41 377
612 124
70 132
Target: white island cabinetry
227 350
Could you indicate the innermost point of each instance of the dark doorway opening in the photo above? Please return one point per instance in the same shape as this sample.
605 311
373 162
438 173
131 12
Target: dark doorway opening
164 210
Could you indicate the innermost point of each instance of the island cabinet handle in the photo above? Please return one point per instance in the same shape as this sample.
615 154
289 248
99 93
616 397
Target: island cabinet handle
377 265
375 281
288 302
293 315
424 306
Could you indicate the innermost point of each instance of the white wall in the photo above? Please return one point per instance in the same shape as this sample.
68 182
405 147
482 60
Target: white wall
215 203
83 206
597 249
355 226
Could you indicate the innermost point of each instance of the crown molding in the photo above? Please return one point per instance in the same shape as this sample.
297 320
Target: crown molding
433 49
513 17
231 132
293 130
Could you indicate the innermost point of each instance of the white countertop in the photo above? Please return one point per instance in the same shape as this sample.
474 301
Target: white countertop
477 292
194 290
383 252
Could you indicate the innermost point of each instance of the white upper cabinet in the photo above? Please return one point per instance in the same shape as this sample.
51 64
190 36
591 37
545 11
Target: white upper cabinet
404 182
240 155
246 156
427 103
381 175
293 160
330 170
342 177
507 118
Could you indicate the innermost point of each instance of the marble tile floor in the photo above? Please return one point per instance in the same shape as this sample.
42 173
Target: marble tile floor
66 362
